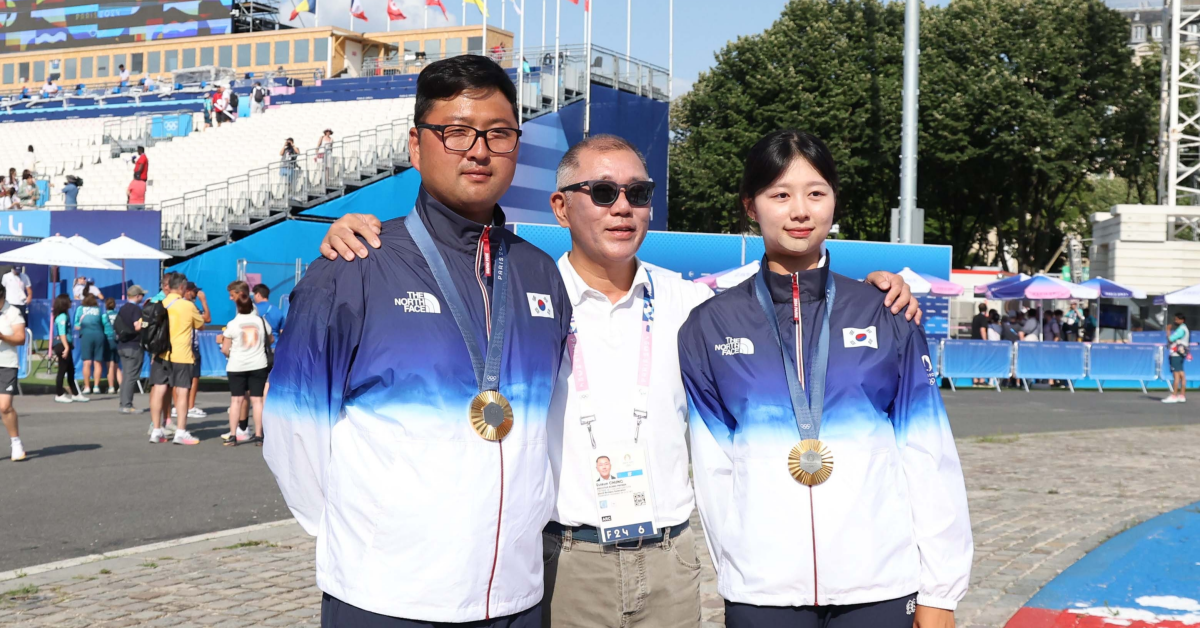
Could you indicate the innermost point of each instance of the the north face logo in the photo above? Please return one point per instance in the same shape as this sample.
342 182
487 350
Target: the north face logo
420 303
736 346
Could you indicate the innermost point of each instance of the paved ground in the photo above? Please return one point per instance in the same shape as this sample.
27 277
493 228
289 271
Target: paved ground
92 483
1038 502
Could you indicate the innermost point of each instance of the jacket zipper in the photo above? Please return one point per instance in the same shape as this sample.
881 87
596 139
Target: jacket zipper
797 318
483 253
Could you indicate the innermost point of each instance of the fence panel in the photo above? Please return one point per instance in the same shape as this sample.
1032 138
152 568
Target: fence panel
1120 361
1051 360
977 359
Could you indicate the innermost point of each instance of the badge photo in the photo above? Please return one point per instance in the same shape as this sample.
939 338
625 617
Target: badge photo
853 337
540 305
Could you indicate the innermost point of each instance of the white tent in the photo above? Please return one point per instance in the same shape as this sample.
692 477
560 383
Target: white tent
1186 296
56 251
85 245
125 247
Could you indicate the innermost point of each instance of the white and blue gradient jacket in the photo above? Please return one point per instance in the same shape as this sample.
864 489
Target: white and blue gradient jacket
890 521
415 515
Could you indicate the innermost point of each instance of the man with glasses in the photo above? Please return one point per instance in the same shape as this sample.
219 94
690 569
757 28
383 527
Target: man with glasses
408 403
620 393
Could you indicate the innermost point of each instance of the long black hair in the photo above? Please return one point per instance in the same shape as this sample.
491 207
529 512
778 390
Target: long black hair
772 155
62 305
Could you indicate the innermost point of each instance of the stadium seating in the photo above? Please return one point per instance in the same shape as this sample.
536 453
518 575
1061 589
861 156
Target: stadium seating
61 145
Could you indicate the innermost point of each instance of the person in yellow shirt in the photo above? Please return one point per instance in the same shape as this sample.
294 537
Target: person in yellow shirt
174 367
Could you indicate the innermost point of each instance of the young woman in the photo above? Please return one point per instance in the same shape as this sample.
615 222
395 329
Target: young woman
824 466
244 341
62 350
28 193
110 345
92 341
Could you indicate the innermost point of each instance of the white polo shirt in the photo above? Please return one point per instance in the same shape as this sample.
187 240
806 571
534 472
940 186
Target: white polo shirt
14 288
10 317
609 335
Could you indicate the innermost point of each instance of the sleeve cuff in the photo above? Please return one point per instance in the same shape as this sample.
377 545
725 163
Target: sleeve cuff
945 603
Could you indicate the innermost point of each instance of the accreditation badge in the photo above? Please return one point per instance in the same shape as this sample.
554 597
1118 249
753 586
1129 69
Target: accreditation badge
624 503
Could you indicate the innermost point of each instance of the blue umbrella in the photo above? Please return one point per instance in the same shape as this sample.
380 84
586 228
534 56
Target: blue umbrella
987 288
1113 290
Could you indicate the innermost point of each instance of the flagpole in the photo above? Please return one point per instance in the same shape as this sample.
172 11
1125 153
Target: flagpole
543 25
628 28
670 81
483 28
521 71
464 13
557 60
426 17
503 13
587 87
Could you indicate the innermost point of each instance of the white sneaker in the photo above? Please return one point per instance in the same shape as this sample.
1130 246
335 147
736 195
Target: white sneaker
85 391
182 437
243 435
169 429
1171 399
110 390
174 414
80 398
63 399
196 413
18 452
157 436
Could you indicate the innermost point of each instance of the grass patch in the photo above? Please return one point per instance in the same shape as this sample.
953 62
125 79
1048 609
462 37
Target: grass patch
999 438
83 578
150 564
1052 491
20 574
1168 428
24 591
165 558
245 544
104 572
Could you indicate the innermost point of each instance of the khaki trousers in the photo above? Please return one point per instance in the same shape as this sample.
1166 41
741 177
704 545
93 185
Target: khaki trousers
594 586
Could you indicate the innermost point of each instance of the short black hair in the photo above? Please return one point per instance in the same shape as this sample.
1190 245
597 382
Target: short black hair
141 150
263 291
446 79
772 155
1180 316
983 308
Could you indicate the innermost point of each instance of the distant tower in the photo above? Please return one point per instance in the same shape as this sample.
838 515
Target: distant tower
1179 118
252 16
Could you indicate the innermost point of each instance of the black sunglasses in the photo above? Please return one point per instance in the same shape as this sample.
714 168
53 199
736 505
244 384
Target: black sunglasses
604 193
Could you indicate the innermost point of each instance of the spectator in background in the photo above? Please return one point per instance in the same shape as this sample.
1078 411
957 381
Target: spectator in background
262 302
288 156
979 332
993 329
259 97
8 199
135 195
89 322
208 113
324 144
1031 329
1058 320
232 97
194 294
141 165
28 194
18 290
31 161
110 344
71 192
1073 322
1051 332
123 74
1179 346
128 326
12 336
244 341
220 106
84 287
62 351
12 181
49 90
174 366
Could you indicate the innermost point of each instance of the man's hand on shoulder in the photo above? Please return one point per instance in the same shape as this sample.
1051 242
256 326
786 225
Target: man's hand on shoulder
342 237
899 296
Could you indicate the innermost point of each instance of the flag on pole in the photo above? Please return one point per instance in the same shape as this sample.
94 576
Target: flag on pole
356 10
393 11
587 4
305 6
481 5
438 4
517 8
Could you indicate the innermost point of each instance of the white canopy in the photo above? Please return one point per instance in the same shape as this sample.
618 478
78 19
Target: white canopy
125 247
85 245
56 251
1186 296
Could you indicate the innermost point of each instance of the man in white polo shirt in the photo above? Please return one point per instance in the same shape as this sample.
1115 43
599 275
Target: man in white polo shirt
617 427
18 290
12 337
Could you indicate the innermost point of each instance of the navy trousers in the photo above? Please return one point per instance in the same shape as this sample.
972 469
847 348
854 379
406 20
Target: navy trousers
338 614
897 613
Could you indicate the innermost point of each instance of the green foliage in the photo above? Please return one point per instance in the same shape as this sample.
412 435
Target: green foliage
1028 109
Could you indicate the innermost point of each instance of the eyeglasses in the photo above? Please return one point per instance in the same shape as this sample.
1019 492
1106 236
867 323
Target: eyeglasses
604 193
462 138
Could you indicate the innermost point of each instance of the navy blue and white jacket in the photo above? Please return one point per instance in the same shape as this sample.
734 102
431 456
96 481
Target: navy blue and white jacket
415 515
891 520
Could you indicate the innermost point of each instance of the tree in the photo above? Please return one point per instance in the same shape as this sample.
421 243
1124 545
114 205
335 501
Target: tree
1023 105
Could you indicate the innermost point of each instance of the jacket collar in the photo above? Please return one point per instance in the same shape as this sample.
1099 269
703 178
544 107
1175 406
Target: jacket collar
448 228
812 283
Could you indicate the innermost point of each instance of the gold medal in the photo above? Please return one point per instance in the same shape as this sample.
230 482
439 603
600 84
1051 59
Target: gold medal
810 462
491 415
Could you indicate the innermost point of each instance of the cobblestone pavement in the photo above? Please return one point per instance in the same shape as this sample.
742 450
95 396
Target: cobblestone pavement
1038 504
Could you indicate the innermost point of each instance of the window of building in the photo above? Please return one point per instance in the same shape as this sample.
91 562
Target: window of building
154 62
206 56
1139 32
171 61
475 45
39 71
137 62
453 47
262 53
23 72
433 48
301 51
243 56
283 52
85 68
102 66
225 56
117 62
189 57
1156 32
70 69
321 49
9 71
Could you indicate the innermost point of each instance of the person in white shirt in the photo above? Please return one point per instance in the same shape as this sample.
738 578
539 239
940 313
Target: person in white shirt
12 337
124 74
591 580
18 290
31 161
244 341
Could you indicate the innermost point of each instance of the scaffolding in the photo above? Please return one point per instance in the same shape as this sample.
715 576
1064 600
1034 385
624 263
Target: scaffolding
1179 117
253 16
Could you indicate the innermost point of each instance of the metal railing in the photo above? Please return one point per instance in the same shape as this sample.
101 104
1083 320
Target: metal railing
240 201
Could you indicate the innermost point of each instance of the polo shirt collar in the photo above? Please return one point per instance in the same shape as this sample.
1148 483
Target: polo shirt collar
577 288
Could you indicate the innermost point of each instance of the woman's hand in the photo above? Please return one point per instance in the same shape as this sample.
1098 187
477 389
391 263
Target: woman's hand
930 617
899 296
66 353
341 238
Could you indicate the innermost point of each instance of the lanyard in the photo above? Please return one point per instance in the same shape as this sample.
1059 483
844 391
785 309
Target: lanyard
487 374
808 411
587 415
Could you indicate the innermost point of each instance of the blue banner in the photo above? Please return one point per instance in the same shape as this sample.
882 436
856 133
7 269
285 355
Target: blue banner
29 224
977 358
1119 361
1051 360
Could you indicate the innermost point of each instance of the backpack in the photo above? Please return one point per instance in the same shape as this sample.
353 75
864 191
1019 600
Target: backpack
259 94
233 100
124 332
156 329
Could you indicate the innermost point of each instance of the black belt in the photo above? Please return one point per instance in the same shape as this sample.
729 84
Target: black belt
589 534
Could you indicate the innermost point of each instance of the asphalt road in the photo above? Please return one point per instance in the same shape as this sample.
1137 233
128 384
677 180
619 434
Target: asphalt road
92 483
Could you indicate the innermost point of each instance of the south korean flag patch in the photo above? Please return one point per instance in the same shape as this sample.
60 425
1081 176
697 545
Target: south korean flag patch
853 337
540 305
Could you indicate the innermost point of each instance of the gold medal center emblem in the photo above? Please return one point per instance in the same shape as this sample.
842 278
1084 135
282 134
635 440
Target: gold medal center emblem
810 462
491 415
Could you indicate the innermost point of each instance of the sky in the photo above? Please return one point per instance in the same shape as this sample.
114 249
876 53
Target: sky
702 27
